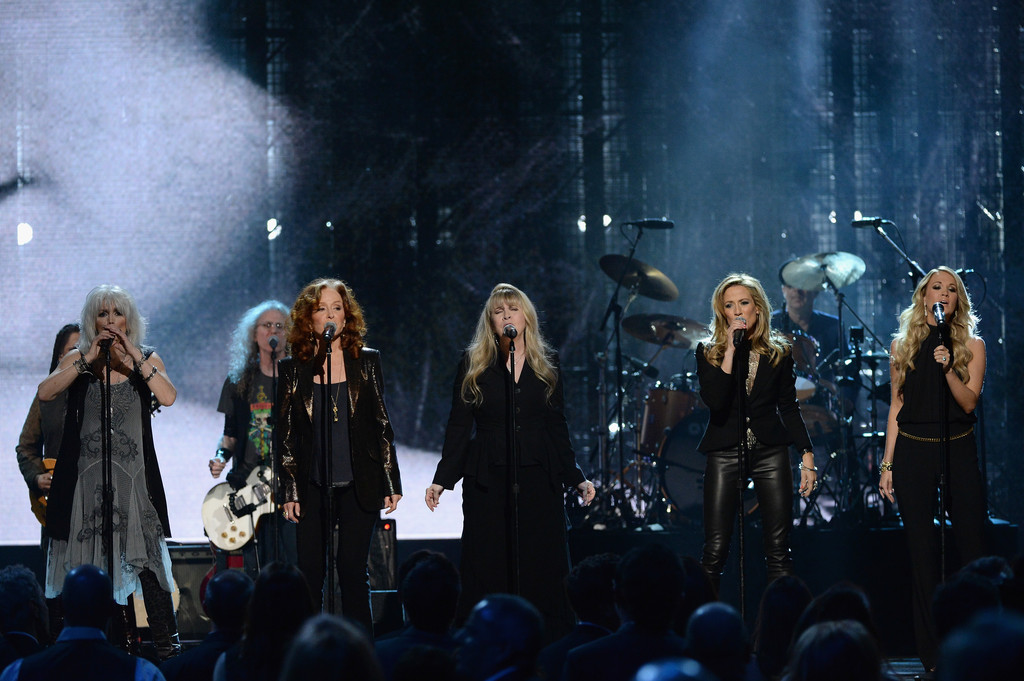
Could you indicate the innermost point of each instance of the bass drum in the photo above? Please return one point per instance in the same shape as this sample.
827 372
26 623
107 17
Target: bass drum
682 470
682 466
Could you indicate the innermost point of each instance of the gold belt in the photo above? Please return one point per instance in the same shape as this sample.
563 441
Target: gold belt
937 439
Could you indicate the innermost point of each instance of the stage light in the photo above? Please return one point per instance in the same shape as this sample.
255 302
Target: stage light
273 229
581 223
24 233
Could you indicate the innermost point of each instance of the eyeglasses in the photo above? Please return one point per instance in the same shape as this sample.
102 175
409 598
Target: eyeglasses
270 326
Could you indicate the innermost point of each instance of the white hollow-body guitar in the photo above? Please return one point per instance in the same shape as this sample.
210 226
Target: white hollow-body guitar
230 516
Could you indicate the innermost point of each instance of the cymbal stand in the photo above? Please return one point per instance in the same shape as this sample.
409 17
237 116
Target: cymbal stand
616 310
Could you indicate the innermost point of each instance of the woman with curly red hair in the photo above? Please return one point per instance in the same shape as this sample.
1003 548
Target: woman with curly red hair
351 412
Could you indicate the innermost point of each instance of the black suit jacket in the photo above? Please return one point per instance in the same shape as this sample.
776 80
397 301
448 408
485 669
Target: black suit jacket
371 438
772 407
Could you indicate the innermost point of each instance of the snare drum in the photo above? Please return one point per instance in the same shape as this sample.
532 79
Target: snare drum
665 406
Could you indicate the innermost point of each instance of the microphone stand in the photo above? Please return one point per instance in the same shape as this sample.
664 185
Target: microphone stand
914 267
107 444
512 456
944 472
618 310
741 478
327 454
276 525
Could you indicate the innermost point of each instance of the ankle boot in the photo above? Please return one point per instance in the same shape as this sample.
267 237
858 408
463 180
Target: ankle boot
163 627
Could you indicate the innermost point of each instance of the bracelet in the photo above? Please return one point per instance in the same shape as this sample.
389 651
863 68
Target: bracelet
138 365
802 467
885 466
82 366
151 373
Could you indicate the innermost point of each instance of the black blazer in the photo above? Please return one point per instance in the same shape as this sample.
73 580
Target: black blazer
371 438
772 407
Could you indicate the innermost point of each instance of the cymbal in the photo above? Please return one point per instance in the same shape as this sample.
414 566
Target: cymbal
811 271
677 332
649 281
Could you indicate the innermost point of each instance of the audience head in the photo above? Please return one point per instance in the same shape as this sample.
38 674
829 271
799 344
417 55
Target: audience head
591 589
279 606
682 669
959 599
429 590
838 650
227 599
502 632
783 602
842 601
86 597
698 590
717 638
22 606
989 648
330 647
648 586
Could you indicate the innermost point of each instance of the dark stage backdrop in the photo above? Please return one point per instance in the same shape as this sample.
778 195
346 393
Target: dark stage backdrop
424 151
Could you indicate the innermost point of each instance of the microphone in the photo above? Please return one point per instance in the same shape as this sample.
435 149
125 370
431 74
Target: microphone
273 342
939 313
660 223
511 331
330 328
737 335
105 343
870 222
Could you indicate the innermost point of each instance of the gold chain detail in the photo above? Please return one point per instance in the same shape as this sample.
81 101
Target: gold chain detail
937 439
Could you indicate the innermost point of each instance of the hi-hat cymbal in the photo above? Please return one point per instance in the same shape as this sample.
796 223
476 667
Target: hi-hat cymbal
811 271
649 281
660 329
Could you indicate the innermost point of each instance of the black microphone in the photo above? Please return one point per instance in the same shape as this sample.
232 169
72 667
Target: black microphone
939 313
105 343
511 331
737 335
870 222
330 328
273 342
660 223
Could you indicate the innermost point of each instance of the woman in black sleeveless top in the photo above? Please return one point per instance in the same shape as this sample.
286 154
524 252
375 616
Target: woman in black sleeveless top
925 369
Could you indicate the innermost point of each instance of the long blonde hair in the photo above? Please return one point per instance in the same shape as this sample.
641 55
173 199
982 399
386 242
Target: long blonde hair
483 349
914 329
763 339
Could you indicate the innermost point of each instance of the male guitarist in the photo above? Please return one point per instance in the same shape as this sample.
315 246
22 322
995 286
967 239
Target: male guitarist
247 402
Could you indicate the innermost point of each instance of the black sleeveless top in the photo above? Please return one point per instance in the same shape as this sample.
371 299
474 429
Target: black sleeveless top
923 391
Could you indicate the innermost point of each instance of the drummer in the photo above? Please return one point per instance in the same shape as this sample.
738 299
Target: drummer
799 316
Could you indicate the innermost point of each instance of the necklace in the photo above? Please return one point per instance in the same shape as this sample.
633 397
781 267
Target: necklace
334 402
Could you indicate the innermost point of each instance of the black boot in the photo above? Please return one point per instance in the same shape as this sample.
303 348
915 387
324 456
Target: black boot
55 610
121 630
163 627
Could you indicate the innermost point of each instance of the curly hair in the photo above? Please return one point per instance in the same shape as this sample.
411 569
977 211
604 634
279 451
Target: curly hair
483 349
914 329
301 337
243 352
763 339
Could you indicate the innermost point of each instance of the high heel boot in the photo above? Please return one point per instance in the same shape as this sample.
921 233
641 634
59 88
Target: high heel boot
163 626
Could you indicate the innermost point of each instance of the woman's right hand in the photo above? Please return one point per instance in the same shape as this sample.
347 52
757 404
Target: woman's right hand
885 486
433 496
292 511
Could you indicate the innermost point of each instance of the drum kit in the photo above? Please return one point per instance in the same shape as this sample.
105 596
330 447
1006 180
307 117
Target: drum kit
648 445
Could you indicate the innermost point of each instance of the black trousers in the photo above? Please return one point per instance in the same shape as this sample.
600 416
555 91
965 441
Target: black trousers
770 470
915 478
355 530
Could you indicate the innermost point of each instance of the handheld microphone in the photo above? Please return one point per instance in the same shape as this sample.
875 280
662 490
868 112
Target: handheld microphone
870 222
330 328
661 223
737 335
511 331
939 313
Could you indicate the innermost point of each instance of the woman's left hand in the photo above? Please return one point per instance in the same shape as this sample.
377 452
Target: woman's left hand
391 502
587 492
808 478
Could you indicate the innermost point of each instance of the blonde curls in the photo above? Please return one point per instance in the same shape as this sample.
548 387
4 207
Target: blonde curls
914 329
763 339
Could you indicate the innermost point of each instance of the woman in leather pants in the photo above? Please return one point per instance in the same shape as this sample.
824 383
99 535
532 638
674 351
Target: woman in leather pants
745 364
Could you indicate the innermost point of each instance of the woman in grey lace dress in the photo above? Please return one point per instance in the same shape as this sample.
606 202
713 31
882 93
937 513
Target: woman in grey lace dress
74 518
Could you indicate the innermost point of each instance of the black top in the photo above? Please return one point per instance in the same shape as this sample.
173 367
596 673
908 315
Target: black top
337 421
922 410
773 412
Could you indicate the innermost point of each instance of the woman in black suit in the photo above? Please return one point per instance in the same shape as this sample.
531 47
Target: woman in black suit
365 467
743 350
475 451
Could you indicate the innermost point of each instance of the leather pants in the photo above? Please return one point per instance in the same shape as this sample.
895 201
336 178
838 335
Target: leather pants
770 470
